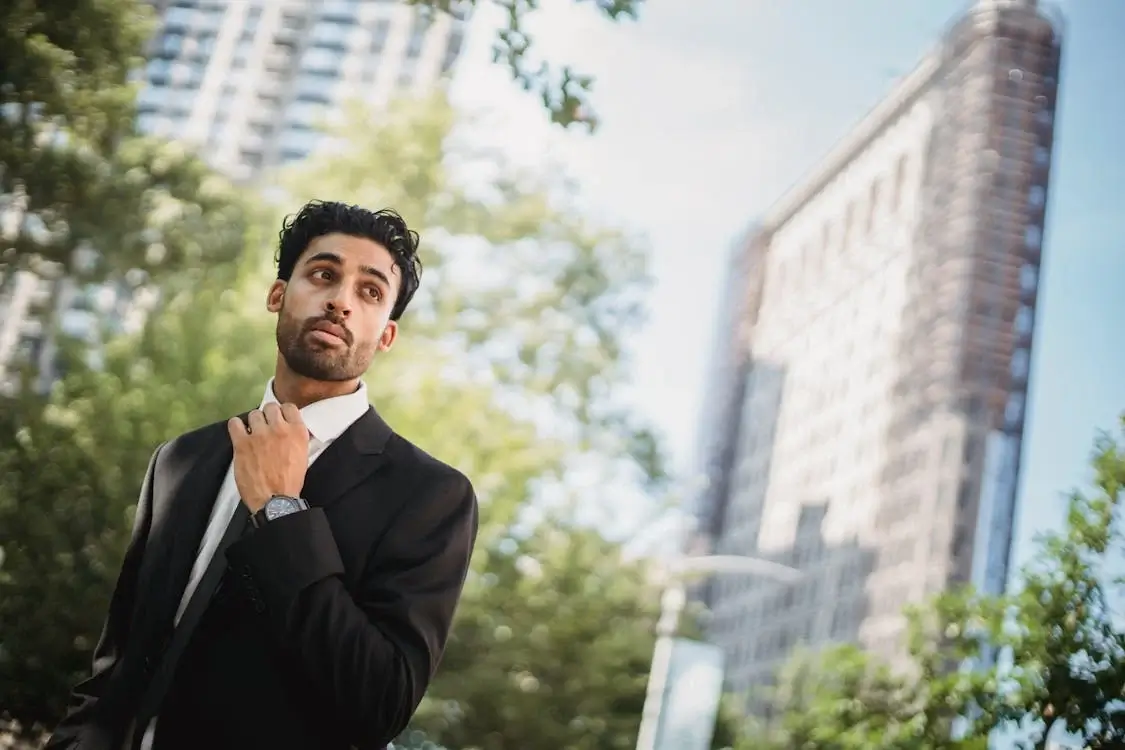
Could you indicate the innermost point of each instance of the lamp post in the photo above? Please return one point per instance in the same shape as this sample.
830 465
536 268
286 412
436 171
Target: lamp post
671 607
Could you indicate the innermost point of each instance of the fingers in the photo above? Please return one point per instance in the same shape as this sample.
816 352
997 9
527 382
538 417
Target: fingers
257 421
277 414
237 430
272 415
292 414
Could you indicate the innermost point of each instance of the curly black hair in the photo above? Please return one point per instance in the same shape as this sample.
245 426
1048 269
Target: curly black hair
318 218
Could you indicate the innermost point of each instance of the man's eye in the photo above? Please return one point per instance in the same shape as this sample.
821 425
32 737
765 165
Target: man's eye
374 292
322 274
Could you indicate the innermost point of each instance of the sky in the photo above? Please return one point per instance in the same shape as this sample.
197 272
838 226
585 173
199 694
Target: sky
710 109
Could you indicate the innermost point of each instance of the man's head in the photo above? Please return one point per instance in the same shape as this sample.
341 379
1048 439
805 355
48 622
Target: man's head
344 277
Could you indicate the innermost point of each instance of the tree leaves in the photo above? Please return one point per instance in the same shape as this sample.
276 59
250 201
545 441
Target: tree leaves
531 295
75 175
579 620
564 91
1048 657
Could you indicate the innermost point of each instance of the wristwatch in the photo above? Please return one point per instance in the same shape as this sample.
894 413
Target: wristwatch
276 507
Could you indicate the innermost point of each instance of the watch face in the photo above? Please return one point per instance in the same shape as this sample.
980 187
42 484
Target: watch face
281 506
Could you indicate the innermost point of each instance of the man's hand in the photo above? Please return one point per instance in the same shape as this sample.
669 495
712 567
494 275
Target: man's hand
271 456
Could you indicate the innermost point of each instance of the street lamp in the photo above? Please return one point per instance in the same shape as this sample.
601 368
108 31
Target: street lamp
671 607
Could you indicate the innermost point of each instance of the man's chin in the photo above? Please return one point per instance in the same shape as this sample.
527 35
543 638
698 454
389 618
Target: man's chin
316 368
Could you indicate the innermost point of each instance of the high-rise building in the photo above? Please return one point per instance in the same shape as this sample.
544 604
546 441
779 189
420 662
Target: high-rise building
867 404
250 85
252 82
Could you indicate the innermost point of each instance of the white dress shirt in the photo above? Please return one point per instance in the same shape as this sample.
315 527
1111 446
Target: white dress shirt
326 421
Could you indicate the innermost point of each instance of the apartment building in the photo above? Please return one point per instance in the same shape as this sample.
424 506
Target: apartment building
866 408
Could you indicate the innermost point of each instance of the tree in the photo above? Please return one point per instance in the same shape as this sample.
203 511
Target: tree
74 173
1047 658
565 93
206 354
528 292
842 698
552 647
1062 664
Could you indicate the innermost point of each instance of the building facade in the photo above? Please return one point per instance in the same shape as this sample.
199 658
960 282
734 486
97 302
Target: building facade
251 83
868 403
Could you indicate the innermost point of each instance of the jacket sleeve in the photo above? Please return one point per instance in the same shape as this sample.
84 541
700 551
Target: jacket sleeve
83 721
373 651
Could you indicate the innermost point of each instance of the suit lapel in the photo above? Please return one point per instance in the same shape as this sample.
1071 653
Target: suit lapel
191 478
191 475
349 460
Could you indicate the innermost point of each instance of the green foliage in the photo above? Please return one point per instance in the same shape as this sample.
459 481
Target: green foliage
534 297
552 647
1047 657
73 172
565 92
70 482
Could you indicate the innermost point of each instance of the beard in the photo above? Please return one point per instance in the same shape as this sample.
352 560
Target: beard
310 359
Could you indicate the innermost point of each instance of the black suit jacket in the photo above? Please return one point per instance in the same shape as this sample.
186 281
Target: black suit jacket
329 623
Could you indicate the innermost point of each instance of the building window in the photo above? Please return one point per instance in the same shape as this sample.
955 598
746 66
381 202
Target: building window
343 11
304 114
873 209
1020 363
417 35
323 61
1013 410
898 195
299 140
252 159
292 22
452 50
178 17
406 73
330 34
379 35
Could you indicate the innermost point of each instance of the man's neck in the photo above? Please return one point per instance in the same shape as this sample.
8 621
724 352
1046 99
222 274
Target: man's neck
290 388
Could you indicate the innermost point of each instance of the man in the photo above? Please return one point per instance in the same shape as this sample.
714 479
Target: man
260 606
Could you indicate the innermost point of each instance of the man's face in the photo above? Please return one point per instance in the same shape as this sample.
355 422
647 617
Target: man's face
334 312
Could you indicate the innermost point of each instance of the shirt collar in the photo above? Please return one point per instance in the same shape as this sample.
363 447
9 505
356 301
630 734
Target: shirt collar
327 419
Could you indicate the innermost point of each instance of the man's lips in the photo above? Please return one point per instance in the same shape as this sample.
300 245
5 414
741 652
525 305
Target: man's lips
330 332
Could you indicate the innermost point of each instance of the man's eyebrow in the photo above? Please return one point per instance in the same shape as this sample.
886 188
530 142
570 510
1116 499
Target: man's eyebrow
326 256
373 271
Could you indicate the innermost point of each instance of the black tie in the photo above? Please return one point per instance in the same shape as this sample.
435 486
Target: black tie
162 678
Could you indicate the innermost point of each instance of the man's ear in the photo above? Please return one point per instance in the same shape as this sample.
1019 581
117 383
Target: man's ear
390 334
276 296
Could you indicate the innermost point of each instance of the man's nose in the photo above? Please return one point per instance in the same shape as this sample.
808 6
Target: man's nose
339 305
